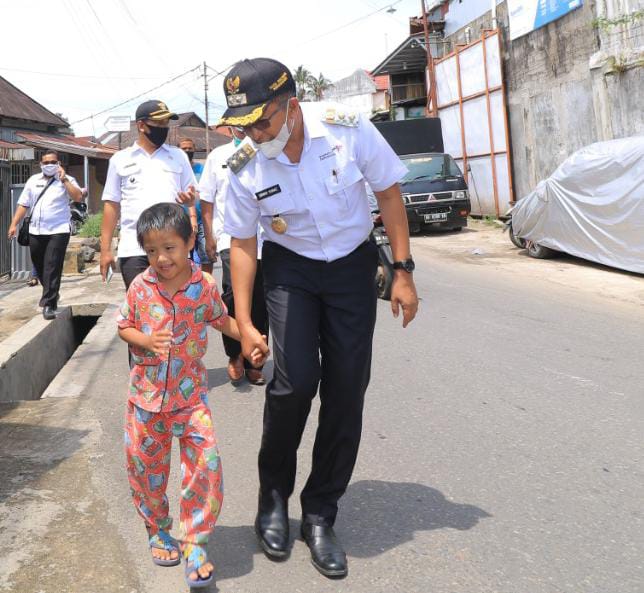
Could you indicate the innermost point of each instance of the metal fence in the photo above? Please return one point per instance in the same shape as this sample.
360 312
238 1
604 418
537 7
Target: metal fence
5 219
20 256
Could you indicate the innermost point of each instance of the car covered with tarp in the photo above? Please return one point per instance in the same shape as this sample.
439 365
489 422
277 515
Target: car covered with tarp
591 207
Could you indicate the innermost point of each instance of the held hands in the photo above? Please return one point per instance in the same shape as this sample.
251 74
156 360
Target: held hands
254 346
403 294
159 342
257 357
187 198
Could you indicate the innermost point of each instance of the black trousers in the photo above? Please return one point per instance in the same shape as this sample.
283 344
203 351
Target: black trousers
48 256
258 313
131 267
322 316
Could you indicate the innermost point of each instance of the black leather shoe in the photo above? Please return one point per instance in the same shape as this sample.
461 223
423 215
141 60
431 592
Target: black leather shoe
271 526
49 312
327 554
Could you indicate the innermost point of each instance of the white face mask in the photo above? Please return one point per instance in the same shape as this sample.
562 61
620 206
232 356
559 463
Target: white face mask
49 170
273 148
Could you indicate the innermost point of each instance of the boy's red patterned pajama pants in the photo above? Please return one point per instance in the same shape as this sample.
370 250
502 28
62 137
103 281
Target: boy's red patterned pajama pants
148 440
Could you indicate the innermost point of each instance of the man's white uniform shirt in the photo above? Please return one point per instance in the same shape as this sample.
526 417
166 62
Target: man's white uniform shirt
137 180
51 214
212 188
323 197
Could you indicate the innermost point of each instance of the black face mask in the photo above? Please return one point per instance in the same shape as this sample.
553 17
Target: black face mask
157 135
190 153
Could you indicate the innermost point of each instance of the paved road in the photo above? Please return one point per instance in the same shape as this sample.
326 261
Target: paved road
502 452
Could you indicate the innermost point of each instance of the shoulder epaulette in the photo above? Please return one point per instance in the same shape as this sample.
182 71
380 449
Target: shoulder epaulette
241 158
341 117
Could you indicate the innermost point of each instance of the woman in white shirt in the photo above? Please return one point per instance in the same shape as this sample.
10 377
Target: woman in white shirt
47 195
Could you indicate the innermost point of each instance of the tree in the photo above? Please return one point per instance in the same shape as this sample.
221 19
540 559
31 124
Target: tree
302 79
318 86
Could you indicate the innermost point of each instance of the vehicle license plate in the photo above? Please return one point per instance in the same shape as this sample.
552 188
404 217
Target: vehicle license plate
435 217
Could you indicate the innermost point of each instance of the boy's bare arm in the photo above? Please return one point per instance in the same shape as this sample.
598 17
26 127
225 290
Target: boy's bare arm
158 342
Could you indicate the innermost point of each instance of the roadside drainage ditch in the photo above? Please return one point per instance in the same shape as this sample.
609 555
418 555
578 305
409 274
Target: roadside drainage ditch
32 356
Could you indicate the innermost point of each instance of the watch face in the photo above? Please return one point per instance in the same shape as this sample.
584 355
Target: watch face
408 265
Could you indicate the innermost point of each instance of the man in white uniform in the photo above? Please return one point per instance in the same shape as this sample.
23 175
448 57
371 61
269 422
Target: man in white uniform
212 194
303 179
144 174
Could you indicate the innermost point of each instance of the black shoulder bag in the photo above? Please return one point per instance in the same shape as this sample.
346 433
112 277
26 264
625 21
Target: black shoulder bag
23 231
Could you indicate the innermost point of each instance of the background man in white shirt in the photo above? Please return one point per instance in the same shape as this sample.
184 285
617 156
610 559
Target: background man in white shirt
47 194
146 173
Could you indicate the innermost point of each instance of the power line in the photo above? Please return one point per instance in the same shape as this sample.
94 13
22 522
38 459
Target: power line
135 97
353 22
84 76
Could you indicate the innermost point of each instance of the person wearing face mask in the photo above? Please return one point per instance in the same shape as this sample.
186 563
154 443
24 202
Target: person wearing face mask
212 191
199 252
302 177
146 173
47 195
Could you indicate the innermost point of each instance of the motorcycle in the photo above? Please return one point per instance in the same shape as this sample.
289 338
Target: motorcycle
385 271
78 216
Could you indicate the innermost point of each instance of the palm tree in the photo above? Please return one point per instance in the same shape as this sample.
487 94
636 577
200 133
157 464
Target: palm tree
302 79
319 85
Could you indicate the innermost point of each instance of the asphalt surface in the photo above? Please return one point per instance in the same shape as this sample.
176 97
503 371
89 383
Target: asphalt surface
501 452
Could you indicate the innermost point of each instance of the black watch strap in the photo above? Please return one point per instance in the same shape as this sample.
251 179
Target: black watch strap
406 264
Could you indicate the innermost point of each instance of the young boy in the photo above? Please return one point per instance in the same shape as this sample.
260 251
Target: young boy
164 320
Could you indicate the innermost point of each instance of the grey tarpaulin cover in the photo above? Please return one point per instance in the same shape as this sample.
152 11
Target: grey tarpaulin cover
592 206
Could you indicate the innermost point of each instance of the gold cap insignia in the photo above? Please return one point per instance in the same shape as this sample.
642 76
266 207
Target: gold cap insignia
232 85
279 82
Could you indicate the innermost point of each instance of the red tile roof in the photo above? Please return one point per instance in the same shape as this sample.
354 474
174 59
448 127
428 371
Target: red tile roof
69 144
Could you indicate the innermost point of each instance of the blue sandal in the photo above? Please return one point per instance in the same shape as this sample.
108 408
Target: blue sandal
195 557
162 540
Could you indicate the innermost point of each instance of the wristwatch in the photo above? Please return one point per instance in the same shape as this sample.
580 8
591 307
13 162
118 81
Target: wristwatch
406 264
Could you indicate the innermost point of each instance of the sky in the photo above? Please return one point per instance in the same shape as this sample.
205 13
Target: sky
81 57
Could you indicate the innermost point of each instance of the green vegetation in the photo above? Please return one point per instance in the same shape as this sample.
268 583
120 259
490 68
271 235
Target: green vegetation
92 226
624 19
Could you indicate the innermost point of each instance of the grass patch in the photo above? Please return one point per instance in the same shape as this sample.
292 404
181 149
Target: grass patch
92 226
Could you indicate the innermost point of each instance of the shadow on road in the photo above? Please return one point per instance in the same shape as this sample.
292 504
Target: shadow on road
28 451
377 516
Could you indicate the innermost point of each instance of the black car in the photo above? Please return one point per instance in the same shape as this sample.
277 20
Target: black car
434 192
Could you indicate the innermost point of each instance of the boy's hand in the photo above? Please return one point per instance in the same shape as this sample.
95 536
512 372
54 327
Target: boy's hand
159 342
258 357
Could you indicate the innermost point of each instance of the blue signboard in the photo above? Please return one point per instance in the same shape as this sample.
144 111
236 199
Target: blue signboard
528 15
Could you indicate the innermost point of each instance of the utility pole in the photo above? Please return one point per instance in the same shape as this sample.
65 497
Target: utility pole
205 100
431 92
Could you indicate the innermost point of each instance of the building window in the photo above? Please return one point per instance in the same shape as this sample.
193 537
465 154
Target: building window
20 172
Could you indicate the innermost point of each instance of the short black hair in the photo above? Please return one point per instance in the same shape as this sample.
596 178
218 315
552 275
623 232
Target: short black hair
162 217
50 151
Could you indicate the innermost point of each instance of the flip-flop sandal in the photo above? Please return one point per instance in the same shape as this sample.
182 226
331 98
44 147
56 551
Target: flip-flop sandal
195 557
162 540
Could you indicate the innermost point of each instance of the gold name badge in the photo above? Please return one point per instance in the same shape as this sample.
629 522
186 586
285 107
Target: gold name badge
279 225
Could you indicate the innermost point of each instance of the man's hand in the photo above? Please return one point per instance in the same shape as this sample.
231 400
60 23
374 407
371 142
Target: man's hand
11 233
257 357
211 248
61 172
159 342
107 260
254 346
403 294
187 198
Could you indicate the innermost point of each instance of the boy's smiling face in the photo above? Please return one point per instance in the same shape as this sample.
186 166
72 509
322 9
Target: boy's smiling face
168 253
